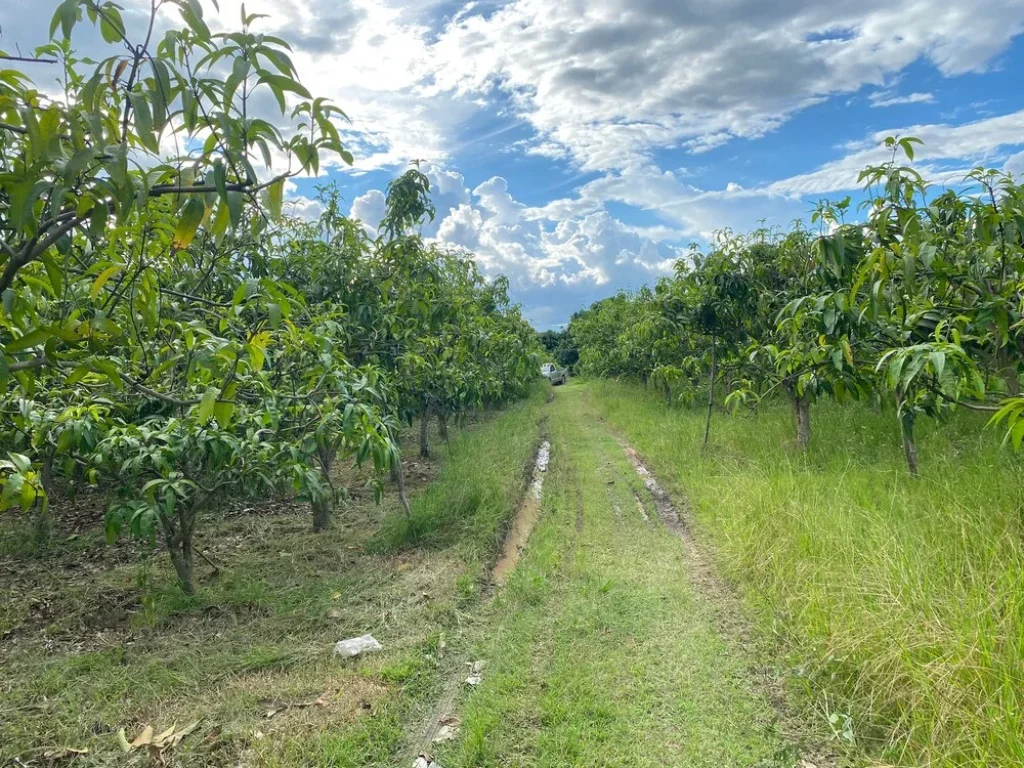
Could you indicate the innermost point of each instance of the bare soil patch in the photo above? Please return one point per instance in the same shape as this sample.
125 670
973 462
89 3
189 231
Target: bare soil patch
525 519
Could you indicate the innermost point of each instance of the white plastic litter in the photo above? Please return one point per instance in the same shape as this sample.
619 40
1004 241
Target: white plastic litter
356 646
425 762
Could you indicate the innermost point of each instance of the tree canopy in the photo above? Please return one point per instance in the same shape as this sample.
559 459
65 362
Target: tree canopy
920 305
168 333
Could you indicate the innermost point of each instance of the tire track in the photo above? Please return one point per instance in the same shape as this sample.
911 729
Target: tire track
527 515
729 615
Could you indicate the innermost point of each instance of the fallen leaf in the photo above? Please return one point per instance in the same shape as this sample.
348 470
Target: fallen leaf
177 737
334 613
123 741
145 738
163 736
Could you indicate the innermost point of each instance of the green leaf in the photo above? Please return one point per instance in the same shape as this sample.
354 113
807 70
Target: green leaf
29 340
97 221
68 332
282 83
223 411
107 368
64 17
1017 434
104 324
192 13
144 122
275 199
234 201
53 273
220 180
191 217
239 71
220 221
207 405
77 375
111 25
102 280
161 94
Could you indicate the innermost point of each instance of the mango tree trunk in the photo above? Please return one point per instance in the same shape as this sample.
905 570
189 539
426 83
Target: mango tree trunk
1006 366
322 508
398 478
802 411
425 433
178 535
909 442
321 515
711 393
442 423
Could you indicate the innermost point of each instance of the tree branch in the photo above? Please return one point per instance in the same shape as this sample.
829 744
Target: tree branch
41 247
33 251
23 365
8 251
30 59
140 387
239 186
198 299
969 406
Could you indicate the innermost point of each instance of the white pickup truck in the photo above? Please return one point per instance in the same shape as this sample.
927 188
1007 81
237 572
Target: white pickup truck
553 374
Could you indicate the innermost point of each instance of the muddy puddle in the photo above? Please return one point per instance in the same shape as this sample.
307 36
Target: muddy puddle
526 518
662 501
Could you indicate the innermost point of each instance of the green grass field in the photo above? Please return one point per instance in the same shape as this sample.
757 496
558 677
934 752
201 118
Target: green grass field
877 621
899 603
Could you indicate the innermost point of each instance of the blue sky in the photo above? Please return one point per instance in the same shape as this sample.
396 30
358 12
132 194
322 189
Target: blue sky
579 146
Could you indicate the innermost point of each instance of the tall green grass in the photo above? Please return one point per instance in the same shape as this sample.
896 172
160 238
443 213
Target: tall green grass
475 496
901 601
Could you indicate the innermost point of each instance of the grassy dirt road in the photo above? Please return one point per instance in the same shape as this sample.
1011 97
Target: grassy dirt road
611 644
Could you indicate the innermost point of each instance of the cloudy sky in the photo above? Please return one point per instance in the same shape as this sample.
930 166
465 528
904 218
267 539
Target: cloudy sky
579 146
